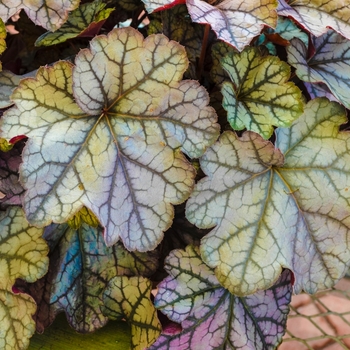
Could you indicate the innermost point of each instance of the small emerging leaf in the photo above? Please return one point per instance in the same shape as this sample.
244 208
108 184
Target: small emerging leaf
259 96
330 63
83 215
129 298
272 211
79 21
213 318
236 22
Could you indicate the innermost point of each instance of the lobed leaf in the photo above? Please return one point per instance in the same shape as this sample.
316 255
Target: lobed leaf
272 211
259 96
117 147
330 64
317 16
210 316
86 17
22 255
236 22
129 298
48 14
81 265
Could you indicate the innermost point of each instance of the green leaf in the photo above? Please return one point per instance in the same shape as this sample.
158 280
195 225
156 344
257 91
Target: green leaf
22 255
330 63
317 16
236 22
271 211
259 96
129 298
288 30
85 17
210 316
81 265
126 136
48 14
2 37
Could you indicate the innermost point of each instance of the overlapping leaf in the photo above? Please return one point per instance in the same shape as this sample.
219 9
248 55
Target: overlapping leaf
81 266
159 5
48 14
10 186
87 17
318 15
330 63
22 255
236 22
213 318
120 153
319 90
271 211
129 298
259 95
8 82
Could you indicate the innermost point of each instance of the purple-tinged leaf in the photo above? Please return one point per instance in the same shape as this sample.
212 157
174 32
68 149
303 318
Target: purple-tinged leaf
317 16
81 266
129 298
319 90
213 318
330 64
236 22
10 186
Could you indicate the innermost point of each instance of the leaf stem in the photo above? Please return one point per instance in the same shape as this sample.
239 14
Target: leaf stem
200 66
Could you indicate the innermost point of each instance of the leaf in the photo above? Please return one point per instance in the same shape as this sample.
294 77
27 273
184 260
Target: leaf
129 297
81 265
85 17
288 30
48 14
330 64
317 16
2 37
10 186
8 82
259 96
236 22
22 255
319 90
160 5
272 211
83 215
210 316
137 119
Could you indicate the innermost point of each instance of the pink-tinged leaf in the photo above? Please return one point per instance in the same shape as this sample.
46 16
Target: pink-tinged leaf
10 186
330 63
48 14
213 318
236 22
81 265
317 16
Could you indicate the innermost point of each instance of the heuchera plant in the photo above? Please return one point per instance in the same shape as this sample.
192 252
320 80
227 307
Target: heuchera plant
196 149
